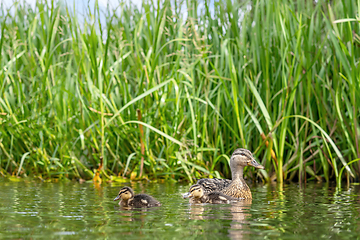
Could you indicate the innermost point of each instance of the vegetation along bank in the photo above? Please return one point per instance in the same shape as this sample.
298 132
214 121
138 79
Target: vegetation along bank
170 92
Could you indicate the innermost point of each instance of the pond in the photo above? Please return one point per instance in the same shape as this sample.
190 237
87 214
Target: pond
31 209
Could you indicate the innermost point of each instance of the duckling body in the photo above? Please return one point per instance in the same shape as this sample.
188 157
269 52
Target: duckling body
197 195
218 197
128 199
237 187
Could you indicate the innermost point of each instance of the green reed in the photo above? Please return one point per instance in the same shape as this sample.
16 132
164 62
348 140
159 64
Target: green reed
280 78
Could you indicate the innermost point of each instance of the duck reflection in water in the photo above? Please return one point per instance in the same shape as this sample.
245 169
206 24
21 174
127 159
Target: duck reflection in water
237 212
239 225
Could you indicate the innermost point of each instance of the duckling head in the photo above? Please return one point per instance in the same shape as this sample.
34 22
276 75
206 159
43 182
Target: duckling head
241 158
196 191
125 194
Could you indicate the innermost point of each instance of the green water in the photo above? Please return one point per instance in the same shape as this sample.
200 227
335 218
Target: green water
72 211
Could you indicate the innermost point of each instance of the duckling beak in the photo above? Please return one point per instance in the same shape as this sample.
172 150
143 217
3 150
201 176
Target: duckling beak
255 164
117 198
187 195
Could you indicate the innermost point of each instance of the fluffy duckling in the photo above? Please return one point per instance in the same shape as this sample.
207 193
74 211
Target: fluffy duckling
197 195
236 187
128 199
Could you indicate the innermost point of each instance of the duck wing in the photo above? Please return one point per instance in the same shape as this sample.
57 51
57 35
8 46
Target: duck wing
213 184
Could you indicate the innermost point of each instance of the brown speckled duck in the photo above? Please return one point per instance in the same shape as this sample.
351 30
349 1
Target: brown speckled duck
197 195
236 187
128 199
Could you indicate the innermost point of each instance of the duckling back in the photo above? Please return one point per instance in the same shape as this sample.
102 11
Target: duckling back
143 200
218 197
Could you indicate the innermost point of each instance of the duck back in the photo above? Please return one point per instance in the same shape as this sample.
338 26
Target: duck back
213 184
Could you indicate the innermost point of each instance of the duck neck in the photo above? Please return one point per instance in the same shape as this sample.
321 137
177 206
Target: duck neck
237 173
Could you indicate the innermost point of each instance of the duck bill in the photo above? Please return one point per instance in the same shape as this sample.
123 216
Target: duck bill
117 198
187 195
255 164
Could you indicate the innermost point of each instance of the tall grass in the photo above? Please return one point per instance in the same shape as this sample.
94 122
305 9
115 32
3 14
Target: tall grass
280 78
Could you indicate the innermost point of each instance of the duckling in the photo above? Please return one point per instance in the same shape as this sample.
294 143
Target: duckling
236 187
128 199
197 195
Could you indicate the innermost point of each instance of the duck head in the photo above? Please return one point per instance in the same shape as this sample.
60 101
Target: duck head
241 158
125 194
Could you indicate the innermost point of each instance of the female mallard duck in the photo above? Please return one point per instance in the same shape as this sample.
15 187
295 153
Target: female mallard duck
128 199
197 195
236 187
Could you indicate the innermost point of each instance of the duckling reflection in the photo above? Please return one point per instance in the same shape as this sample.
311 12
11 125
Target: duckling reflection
196 212
126 216
131 214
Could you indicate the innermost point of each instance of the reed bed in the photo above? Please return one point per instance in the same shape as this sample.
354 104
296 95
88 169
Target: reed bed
159 94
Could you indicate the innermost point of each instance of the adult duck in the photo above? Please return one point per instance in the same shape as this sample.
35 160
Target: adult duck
236 187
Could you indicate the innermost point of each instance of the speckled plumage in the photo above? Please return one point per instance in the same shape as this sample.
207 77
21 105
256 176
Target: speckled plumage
213 184
237 187
128 199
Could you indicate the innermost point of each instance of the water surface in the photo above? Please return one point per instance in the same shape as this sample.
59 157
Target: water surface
32 209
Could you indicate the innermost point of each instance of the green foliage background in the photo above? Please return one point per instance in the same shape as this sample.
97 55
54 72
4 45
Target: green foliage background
205 84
